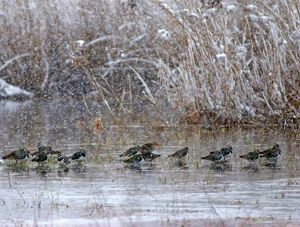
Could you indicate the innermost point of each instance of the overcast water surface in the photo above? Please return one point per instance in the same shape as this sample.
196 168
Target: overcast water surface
102 191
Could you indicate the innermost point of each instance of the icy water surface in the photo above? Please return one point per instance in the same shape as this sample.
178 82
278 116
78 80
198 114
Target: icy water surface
102 192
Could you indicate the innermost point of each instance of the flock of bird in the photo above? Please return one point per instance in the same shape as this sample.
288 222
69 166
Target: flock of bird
135 155
145 152
42 154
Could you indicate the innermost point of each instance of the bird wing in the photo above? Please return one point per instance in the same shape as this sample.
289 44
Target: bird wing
174 154
76 156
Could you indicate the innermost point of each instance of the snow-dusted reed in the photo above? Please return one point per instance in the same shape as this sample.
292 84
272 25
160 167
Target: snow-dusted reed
233 60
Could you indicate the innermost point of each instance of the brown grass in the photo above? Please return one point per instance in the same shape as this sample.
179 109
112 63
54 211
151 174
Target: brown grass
222 63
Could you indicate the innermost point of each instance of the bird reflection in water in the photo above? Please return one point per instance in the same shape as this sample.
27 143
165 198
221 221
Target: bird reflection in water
221 166
181 163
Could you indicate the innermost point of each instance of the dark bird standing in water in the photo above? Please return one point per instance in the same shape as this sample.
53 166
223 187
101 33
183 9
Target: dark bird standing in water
79 156
149 147
131 151
20 154
225 151
146 148
251 156
271 152
214 156
134 159
180 153
40 157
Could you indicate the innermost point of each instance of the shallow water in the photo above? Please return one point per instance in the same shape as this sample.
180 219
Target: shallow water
101 191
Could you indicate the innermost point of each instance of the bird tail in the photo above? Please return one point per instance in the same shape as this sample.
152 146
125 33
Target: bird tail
8 156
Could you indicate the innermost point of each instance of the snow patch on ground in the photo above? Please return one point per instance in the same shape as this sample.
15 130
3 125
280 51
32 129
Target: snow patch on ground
8 91
164 34
80 42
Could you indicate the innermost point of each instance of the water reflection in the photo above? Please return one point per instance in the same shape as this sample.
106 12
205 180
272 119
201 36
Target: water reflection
181 163
272 165
221 166
16 168
105 188
252 167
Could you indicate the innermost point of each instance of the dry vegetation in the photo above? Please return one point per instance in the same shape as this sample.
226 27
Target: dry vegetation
220 62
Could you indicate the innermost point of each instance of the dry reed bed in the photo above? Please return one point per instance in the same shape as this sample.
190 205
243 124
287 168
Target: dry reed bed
225 62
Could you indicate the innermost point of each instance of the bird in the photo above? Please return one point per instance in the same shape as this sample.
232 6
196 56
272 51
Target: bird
64 160
79 155
149 157
180 153
131 151
271 152
40 157
19 154
214 156
47 149
137 158
226 151
149 147
223 151
251 156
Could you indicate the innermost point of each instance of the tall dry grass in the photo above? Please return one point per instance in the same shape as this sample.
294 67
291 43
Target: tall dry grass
236 61
218 61
41 48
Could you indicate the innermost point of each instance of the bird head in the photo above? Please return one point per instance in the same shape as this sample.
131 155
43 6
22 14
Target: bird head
60 158
140 157
276 146
27 152
39 144
229 148
82 152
